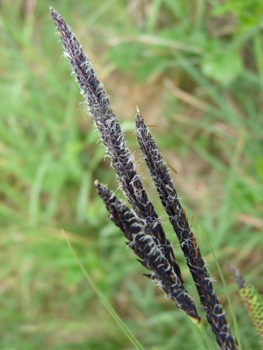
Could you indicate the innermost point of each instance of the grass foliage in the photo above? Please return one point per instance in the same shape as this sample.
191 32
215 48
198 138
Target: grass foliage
195 68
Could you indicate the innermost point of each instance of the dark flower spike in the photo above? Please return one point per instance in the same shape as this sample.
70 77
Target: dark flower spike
148 249
111 135
177 216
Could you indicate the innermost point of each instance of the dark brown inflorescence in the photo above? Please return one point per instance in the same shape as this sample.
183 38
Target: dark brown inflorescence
177 216
148 249
144 230
111 135
121 159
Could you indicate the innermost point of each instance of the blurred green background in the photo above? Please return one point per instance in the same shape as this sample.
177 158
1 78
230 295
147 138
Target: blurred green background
195 69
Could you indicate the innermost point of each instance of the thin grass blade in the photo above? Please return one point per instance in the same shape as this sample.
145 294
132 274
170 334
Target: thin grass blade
114 315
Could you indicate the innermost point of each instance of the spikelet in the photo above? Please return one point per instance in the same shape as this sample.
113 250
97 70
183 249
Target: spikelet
177 216
151 255
252 300
106 122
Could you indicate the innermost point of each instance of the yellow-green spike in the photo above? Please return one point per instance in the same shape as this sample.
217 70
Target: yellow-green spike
252 300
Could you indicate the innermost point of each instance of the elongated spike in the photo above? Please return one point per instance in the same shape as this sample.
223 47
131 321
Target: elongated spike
178 218
105 120
252 300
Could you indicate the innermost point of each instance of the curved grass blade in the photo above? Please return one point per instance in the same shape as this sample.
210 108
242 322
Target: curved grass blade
205 336
114 315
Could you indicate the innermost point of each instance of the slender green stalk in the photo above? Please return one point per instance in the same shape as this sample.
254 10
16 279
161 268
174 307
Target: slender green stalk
207 340
117 319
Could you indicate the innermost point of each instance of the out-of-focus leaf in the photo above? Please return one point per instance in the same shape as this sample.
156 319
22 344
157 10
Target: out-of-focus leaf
124 54
248 13
223 67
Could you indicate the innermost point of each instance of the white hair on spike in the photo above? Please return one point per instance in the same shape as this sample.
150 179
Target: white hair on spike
141 225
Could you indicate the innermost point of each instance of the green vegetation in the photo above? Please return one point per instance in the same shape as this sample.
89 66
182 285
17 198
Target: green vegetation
195 69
